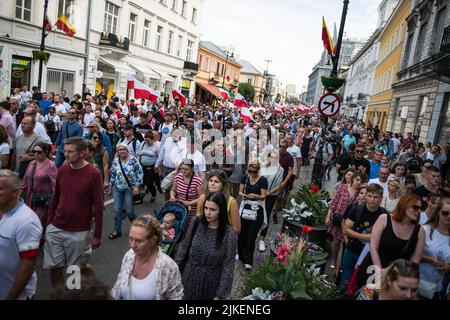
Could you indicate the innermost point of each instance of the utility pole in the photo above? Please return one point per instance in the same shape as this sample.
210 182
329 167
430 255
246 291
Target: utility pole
335 59
42 48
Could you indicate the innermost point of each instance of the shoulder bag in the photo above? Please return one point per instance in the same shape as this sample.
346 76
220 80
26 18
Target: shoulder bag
40 200
136 197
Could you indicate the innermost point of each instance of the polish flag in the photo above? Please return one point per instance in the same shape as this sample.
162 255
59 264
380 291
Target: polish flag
224 94
277 109
141 91
162 112
180 96
47 24
240 102
246 114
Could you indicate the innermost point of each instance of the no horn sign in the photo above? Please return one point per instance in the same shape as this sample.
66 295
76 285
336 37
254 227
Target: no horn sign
329 104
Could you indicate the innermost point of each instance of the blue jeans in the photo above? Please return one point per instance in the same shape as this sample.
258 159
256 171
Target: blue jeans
122 199
348 265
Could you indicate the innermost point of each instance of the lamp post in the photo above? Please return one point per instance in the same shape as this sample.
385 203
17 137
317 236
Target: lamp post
335 58
42 48
230 54
268 83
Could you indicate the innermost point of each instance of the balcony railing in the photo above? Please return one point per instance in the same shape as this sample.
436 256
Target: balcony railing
191 66
445 44
112 40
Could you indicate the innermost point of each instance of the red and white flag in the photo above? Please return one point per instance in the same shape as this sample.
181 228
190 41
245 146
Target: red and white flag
240 102
277 109
47 23
141 91
224 94
246 114
180 96
162 112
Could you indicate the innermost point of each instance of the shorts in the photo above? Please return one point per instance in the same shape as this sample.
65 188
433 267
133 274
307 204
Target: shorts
65 248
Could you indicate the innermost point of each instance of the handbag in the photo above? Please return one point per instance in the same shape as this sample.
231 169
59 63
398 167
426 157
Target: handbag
182 264
40 200
167 182
249 214
136 197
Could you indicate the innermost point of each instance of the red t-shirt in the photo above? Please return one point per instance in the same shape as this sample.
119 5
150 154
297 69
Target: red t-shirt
78 198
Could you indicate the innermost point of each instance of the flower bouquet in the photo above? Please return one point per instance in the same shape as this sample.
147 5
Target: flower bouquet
288 276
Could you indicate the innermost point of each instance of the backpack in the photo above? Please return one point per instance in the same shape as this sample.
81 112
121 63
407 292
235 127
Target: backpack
50 126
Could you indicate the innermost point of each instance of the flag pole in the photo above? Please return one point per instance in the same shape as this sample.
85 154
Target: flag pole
42 48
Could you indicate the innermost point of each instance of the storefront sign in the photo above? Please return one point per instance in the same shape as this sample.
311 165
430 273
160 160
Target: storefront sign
18 74
186 84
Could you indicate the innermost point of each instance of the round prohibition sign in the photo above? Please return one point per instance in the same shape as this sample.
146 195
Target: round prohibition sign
329 104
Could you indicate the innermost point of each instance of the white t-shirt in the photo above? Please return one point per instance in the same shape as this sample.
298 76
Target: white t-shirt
20 231
26 96
166 131
134 120
59 108
296 154
141 289
396 144
438 247
384 185
199 161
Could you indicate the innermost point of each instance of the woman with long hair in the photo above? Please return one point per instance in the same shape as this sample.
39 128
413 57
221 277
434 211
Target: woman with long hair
391 199
101 156
218 182
435 264
38 184
207 253
395 236
112 133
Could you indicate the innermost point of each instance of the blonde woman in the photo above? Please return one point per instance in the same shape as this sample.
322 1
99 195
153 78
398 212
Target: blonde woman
391 199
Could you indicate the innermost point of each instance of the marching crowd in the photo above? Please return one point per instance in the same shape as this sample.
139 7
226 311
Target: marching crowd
60 157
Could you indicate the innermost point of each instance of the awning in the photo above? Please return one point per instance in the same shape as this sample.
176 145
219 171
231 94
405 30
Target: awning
165 76
148 72
118 65
211 89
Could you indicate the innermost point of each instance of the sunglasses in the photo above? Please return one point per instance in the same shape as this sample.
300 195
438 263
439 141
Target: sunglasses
96 138
359 151
252 171
72 113
38 151
445 213
416 207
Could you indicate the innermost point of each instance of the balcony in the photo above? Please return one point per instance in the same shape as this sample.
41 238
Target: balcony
214 78
445 44
190 67
112 40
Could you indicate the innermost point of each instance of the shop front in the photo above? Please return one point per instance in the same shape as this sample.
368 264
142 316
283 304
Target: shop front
20 72
377 115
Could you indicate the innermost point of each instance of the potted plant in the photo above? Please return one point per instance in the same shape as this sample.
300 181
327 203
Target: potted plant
288 276
308 206
332 83
41 55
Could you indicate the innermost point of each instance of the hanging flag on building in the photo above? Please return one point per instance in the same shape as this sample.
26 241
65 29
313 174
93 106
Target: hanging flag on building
64 25
180 96
47 23
327 41
141 91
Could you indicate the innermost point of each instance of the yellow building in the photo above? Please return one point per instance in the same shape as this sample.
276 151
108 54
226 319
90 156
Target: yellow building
391 45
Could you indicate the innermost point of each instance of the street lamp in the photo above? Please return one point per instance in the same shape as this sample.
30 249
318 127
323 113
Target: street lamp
230 54
268 83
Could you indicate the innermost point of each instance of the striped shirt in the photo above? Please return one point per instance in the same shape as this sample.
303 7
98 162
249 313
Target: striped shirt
192 193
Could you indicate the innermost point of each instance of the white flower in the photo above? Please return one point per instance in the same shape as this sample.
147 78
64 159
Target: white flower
294 203
303 206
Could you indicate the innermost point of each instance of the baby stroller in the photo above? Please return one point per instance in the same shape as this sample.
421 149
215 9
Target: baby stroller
181 217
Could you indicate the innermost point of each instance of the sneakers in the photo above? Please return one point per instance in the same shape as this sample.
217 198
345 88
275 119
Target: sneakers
262 246
247 266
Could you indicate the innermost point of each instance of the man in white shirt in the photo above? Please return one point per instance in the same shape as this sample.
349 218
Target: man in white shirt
25 94
394 145
198 158
295 153
382 180
166 128
39 128
88 117
123 107
21 231
59 106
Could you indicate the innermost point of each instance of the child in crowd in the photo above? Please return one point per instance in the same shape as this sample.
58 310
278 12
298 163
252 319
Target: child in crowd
167 226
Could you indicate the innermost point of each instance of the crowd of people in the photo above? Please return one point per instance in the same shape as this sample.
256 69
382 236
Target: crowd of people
59 158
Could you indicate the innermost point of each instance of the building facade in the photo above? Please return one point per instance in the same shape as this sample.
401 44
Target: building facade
417 106
20 35
249 74
217 68
157 41
390 50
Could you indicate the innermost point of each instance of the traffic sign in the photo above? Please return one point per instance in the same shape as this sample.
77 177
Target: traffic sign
329 104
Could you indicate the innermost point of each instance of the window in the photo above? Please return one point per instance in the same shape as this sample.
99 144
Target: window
23 10
443 134
146 33
438 27
249 81
420 42
111 18
200 60
218 67
180 41
408 50
183 8
211 66
65 7
132 27
189 50
159 32
174 5
206 64
394 113
170 42
57 80
194 15
223 70
421 114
